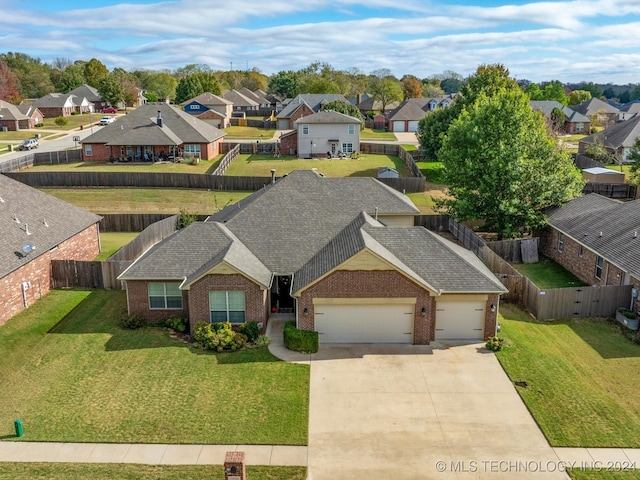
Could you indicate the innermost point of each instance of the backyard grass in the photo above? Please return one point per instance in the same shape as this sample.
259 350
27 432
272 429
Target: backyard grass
433 171
423 201
626 169
147 200
371 134
581 378
249 132
202 167
603 474
365 166
111 471
548 274
71 374
111 242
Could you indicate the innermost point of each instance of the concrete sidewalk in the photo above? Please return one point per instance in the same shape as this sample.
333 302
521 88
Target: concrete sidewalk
152 454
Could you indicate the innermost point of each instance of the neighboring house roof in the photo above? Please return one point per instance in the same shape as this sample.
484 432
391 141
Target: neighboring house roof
140 127
369 105
410 109
328 116
255 96
30 216
594 106
621 134
607 227
8 111
58 100
238 99
27 110
207 99
313 100
631 107
88 92
307 225
547 107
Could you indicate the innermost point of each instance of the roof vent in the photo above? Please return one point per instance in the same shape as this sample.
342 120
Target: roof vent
26 229
16 219
159 119
635 234
601 233
45 222
1 200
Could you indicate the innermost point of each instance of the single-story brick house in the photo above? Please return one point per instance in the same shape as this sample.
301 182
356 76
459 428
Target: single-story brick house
600 112
92 95
574 122
597 239
341 254
154 131
617 139
406 116
38 228
62 105
17 117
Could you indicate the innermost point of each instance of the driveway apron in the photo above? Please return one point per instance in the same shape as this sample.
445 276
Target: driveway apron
420 412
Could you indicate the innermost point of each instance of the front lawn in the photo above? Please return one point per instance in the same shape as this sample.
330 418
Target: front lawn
110 471
202 167
111 242
71 374
147 200
548 274
581 377
371 134
365 166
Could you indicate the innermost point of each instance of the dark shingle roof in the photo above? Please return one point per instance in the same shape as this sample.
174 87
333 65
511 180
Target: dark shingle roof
593 106
11 112
621 134
88 92
48 220
238 99
313 100
410 109
207 99
328 116
57 100
140 127
584 218
547 106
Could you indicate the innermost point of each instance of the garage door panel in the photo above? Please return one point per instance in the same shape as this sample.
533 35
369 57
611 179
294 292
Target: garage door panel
364 323
413 126
460 320
398 126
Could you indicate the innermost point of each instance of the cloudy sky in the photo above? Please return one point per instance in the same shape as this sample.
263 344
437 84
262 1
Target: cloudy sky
592 40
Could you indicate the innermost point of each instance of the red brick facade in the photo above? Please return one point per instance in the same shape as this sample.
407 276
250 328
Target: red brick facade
302 111
289 143
372 284
36 273
491 318
138 302
582 261
103 153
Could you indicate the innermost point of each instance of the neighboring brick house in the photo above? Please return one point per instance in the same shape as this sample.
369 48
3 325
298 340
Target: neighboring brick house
304 105
618 139
597 239
154 131
601 113
62 105
241 103
406 116
18 117
209 108
38 228
574 122
92 96
341 254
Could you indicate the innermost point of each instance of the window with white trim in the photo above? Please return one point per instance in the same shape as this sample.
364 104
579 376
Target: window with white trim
352 129
164 295
227 306
192 149
305 129
599 262
581 251
560 242
347 148
88 150
579 127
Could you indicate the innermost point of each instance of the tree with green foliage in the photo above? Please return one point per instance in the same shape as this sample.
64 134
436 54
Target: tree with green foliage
411 87
385 90
284 84
533 91
578 96
162 85
33 76
72 77
110 89
94 72
188 87
432 130
502 167
592 88
346 108
634 157
557 118
554 90
608 93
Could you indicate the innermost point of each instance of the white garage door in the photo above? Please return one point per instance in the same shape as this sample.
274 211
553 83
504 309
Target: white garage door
364 323
398 126
460 319
283 124
413 126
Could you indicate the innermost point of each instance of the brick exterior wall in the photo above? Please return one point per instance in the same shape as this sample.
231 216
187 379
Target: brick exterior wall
289 143
138 302
583 267
372 284
83 246
491 318
54 112
255 298
571 128
102 153
303 111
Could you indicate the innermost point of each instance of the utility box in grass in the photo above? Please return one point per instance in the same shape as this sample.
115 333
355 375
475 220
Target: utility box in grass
18 425
234 468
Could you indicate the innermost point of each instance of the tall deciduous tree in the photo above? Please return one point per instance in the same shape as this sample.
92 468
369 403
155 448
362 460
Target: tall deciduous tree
634 157
72 77
411 87
346 108
579 96
162 85
8 84
33 76
554 90
502 167
385 90
110 89
94 72
284 83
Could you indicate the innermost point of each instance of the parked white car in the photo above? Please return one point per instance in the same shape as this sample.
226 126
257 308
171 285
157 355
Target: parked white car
106 120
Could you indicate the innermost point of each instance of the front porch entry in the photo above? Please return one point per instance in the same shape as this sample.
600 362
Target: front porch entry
281 299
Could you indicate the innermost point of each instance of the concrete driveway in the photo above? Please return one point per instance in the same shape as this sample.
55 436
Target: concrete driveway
420 412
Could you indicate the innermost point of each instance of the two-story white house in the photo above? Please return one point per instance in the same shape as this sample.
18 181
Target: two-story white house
327 133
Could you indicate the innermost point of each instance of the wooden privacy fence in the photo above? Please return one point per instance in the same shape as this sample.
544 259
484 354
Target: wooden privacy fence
226 160
79 274
149 236
523 250
40 158
16 164
582 161
611 190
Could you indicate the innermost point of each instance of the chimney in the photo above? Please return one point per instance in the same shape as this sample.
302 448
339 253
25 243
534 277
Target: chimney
273 175
159 119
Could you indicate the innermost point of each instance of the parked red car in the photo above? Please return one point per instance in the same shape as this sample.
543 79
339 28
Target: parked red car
109 110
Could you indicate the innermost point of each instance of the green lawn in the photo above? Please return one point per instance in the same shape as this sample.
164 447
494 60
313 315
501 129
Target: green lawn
371 134
147 200
581 376
203 167
548 274
111 242
602 474
423 201
249 132
111 471
71 374
433 171
74 122
625 168
19 135
365 166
